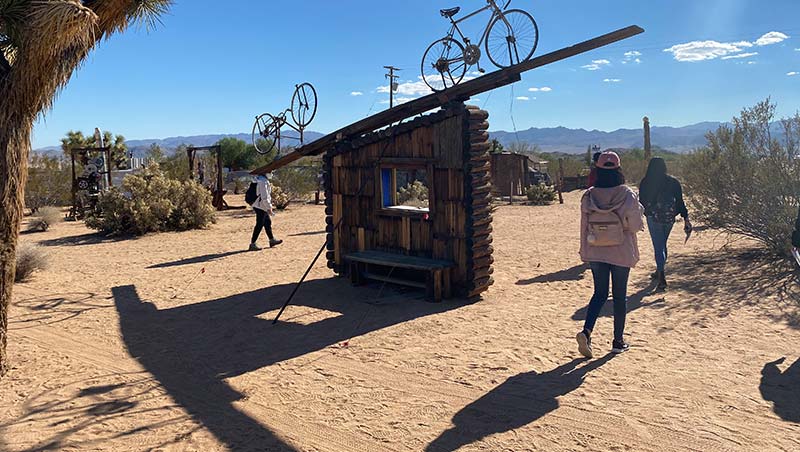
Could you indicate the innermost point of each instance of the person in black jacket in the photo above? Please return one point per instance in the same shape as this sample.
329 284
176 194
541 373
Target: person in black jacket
662 198
796 234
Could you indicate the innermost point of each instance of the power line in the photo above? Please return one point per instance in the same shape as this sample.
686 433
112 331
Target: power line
392 83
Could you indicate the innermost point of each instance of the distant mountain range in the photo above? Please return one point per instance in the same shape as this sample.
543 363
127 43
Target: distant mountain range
553 139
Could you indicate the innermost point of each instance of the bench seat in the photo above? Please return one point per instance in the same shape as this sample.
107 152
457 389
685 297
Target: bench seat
437 281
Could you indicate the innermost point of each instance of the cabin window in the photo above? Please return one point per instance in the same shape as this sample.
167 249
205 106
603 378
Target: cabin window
405 189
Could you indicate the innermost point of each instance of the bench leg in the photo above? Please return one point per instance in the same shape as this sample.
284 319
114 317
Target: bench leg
447 288
435 285
356 277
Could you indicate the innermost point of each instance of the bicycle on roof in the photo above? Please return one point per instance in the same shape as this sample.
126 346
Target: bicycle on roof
303 109
510 37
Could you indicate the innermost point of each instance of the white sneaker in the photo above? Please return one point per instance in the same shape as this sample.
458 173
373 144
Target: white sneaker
584 344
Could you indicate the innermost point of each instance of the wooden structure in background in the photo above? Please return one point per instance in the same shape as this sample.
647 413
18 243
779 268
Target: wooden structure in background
452 237
648 151
511 174
218 190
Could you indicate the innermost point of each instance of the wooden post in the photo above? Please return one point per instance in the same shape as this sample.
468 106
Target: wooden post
647 148
560 180
190 155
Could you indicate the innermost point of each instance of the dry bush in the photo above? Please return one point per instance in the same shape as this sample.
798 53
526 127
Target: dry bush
413 194
151 202
49 182
297 181
746 181
280 200
540 195
30 258
44 218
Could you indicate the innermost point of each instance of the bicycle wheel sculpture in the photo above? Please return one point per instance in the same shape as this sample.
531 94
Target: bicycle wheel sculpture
444 64
304 105
512 38
303 109
268 128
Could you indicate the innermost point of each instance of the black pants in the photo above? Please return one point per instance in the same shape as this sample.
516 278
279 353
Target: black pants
262 221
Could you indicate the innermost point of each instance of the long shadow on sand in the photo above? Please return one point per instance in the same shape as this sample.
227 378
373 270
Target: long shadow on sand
782 389
192 349
517 402
198 259
90 238
575 273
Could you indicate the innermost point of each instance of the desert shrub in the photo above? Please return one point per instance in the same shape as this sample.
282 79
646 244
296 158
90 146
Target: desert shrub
297 181
540 195
30 258
413 194
747 181
240 185
280 200
44 218
49 182
152 202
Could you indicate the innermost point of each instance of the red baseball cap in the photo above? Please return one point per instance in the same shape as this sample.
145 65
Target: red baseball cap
608 160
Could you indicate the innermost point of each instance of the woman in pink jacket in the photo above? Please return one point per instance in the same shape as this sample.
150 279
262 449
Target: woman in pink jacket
611 216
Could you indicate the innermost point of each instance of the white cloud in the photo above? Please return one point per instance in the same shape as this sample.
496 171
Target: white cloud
356 93
797 50
740 55
544 89
523 98
632 56
596 65
413 89
633 53
706 50
792 74
773 37
637 61
751 62
612 80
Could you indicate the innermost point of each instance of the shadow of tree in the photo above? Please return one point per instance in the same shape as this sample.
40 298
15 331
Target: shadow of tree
90 238
782 389
575 273
54 308
731 279
192 349
518 401
197 259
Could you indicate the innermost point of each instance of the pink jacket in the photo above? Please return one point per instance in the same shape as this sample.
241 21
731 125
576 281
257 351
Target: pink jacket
626 203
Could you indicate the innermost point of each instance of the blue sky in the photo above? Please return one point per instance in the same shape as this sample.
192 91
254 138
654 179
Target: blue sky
210 69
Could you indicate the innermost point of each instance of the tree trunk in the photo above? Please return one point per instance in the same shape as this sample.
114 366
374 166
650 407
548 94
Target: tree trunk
14 152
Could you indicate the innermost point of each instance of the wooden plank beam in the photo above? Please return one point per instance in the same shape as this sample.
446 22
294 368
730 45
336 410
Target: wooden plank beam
460 92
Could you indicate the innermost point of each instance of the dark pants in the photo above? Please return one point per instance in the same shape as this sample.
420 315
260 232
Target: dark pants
619 278
262 221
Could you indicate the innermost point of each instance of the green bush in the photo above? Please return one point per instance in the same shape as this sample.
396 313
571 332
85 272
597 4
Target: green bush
414 194
49 182
540 195
151 202
297 181
747 181
30 258
280 200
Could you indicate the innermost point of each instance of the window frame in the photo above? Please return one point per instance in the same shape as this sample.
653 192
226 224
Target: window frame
404 164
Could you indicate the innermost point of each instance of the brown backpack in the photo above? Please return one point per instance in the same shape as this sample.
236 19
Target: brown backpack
605 228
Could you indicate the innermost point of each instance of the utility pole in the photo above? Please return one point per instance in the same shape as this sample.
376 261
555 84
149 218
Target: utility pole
648 152
392 83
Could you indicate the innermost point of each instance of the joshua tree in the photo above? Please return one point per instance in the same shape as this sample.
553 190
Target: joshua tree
42 42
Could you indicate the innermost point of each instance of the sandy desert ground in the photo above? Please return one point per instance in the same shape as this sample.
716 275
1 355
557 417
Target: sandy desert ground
127 345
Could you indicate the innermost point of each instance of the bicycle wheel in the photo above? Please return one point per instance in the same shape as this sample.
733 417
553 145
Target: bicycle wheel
267 128
512 38
443 65
304 104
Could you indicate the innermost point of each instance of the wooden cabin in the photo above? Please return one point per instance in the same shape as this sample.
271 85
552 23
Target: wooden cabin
513 173
413 204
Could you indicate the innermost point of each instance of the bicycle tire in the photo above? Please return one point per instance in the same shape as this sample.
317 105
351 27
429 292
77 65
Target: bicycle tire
523 29
304 100
268 128
442 63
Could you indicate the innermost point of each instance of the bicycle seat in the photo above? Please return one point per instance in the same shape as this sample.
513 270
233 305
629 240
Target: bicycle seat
450 12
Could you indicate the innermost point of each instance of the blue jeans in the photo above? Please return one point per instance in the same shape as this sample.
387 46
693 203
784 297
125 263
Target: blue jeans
659 233
602 272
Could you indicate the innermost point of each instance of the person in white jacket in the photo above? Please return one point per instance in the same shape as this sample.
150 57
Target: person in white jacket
263 209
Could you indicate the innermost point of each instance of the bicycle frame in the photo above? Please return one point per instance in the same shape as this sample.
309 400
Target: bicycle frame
491 6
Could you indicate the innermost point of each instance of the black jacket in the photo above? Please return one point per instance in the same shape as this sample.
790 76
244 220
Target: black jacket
796 234
669 192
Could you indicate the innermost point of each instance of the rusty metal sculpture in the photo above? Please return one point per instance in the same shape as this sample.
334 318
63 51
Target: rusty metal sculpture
302 110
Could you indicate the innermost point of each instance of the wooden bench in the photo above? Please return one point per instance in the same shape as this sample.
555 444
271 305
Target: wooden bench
437 281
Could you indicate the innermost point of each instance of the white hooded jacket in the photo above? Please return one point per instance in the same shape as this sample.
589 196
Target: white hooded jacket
264 193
